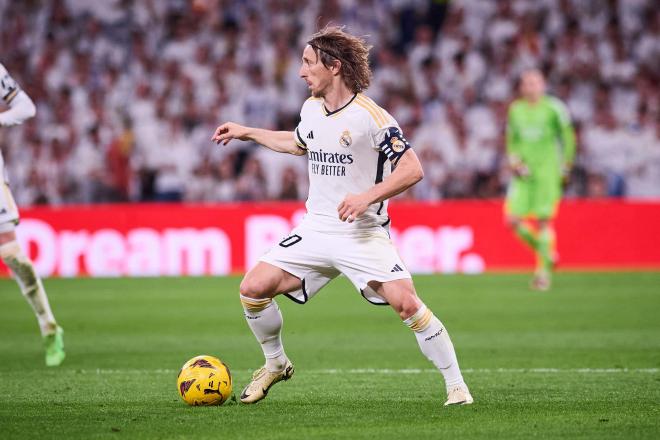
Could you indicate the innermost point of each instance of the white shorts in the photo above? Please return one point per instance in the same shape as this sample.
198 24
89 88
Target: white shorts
316 258
8 209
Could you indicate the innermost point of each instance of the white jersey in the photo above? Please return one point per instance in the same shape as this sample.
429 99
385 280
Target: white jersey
21 106
8 87
348 152
8 91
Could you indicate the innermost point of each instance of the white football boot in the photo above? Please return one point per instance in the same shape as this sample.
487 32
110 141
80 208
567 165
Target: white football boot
262 380
541 281
459 395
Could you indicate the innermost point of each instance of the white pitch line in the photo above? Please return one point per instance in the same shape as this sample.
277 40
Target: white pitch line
408 371
492 370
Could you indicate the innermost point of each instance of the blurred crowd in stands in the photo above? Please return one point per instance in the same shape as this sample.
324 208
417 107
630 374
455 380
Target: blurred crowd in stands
129 92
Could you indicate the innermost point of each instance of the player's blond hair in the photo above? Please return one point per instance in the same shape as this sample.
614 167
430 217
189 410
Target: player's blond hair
332 43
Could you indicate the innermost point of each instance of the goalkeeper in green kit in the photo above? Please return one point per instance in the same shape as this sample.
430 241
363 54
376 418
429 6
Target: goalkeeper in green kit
540 148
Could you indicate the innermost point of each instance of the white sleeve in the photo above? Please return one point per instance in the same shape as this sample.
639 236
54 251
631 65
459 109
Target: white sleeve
389 139
381 129
300 130
300 142
20 109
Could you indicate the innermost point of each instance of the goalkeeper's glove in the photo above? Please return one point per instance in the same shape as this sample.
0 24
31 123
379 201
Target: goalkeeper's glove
566 174
519 168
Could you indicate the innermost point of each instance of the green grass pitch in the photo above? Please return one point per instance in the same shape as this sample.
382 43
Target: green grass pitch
582 361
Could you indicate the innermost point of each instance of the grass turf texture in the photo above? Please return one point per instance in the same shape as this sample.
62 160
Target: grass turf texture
523 354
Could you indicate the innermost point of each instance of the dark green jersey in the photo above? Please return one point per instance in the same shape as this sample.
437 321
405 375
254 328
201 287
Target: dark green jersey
536 131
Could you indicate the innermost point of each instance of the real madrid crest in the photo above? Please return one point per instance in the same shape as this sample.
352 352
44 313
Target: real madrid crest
397 144
345 139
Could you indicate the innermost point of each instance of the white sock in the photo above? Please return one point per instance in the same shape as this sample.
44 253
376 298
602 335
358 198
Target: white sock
30 285
434 342
265 320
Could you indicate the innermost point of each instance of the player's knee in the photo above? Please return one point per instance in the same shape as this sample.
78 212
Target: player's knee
11 252
409 308
252 287
512 222
408 305
7 235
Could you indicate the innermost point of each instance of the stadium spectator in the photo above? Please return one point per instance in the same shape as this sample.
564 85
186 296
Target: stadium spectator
88 65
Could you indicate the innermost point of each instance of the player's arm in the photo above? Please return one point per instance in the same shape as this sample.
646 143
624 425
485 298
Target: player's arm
280 141
407 172
21 108
513 147
566 136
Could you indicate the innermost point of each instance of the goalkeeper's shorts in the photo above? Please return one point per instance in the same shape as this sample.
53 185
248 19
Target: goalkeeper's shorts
533 198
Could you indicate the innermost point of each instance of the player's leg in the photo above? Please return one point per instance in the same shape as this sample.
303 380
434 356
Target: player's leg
546 200
33 290
547 243
516 209
374 267
547 255
546 209
258 288
297 267
524 230
430 333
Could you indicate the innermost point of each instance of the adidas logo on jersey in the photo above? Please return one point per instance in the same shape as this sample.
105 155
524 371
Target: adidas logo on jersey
310 135
396 268
3 211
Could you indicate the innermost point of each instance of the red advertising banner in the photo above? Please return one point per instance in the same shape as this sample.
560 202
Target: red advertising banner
447 237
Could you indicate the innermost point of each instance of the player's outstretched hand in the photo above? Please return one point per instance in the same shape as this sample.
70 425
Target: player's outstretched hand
353 206
228 131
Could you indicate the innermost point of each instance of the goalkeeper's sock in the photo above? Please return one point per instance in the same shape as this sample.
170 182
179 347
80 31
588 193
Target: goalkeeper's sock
525 232
434 342
265 320
30 285
547 247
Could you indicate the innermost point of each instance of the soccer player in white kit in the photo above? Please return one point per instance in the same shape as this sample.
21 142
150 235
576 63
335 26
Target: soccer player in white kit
21 108
349 141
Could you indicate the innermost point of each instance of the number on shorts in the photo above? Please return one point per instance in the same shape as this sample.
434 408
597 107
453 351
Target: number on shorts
290 240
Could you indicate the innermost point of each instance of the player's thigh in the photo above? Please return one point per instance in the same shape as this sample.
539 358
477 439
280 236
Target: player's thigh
517 203
303 257
8 214
7 236
369 258
265 281
400 295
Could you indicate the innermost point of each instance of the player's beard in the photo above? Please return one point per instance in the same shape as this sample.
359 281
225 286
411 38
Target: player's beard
320 92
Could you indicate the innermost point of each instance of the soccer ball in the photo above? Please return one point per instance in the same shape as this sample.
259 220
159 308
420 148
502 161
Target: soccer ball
204 380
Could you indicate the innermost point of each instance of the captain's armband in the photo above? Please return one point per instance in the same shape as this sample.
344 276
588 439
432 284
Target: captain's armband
394 145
